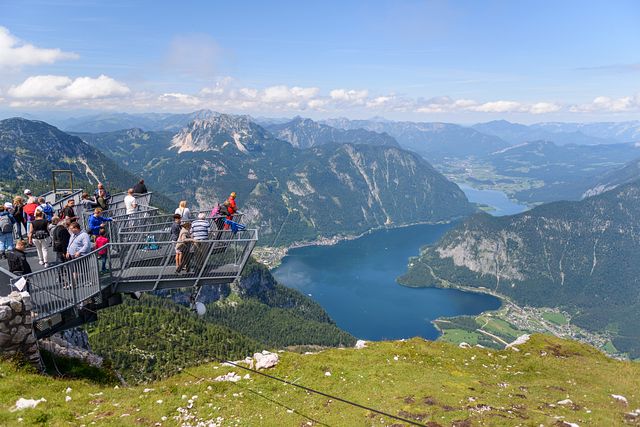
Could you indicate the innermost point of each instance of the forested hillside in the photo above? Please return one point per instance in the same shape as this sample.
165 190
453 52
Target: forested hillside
578 256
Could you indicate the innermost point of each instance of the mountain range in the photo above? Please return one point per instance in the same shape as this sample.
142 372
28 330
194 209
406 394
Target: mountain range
30 150
305 133
290 193
577 256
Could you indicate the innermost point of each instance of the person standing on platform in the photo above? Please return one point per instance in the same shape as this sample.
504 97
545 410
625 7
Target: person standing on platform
140 188
39 236
130 202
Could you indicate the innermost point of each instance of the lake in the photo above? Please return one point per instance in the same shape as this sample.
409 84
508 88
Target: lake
355 282
498 200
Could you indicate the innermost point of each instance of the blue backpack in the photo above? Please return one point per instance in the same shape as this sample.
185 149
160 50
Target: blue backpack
47 209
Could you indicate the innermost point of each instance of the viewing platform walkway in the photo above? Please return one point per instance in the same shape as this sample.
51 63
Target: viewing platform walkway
140 258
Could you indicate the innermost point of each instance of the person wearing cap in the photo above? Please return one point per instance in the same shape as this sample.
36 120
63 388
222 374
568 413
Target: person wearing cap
27 193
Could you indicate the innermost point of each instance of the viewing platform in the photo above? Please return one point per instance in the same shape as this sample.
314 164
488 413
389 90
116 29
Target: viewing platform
140 258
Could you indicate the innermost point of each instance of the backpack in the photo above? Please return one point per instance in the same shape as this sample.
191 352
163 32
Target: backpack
61 213
5 224
48 211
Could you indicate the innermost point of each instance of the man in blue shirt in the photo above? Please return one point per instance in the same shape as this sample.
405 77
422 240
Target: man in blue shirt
95 221
79 243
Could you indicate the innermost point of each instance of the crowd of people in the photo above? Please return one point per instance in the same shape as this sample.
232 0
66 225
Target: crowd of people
32 222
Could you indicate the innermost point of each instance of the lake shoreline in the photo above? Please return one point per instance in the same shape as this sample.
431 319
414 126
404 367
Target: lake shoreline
272 256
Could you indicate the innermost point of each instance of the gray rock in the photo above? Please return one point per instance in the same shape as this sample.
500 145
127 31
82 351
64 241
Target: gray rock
16 306
5 312
4 338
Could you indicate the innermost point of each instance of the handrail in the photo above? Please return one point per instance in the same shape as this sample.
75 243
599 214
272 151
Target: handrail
139 259
63 286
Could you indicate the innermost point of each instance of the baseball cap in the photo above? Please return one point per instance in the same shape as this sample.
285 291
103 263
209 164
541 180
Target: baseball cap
27 191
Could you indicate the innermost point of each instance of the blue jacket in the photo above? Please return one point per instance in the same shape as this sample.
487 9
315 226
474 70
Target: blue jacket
95 222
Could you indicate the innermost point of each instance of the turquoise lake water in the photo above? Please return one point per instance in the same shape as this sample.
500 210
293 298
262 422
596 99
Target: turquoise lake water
355 281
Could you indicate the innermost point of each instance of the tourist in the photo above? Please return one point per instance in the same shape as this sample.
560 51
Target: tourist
68 212
17 260
39 236
102 241
223 213
140 188
175 227
46 208
96 193
79 242
6 231
95 222
130 202
87 204
60 236
200 232
29 211
183 247
18 215
183 210
233 208
27 194
102 199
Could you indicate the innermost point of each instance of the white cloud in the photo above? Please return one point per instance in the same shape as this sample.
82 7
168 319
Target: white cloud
15 53
608 105
544 108
497 107
180 98
64 88
356 97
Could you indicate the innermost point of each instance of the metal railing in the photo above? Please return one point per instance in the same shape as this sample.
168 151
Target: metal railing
141 257
150 262
63 286
164 222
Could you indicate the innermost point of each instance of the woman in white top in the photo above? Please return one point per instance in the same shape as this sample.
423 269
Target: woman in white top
183 211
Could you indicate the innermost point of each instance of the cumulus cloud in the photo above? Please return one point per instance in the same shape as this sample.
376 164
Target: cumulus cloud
64 88
357 97
609 105
544 108
14 53
497 107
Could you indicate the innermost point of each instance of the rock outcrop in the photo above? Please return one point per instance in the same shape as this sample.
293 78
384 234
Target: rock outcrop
16 333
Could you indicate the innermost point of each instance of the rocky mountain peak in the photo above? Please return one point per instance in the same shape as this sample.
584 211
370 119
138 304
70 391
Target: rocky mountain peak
216 132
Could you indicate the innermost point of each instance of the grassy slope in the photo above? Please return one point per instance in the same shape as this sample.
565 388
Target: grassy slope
431 381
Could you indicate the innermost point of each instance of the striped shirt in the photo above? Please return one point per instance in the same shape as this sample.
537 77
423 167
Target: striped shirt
200 229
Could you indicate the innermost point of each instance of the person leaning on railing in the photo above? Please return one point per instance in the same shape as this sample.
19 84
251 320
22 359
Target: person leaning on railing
95 221
79 242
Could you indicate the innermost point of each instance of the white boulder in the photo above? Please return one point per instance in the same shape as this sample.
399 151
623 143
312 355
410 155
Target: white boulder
360 344
266 360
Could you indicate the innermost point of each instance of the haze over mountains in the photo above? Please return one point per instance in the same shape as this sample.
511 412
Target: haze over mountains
332 188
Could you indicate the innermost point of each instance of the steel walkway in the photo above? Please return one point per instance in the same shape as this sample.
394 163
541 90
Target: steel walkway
140 259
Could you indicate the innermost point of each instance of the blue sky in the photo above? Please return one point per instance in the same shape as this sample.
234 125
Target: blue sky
460 61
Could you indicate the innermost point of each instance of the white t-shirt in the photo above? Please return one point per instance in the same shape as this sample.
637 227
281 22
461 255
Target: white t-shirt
184 213
130 204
